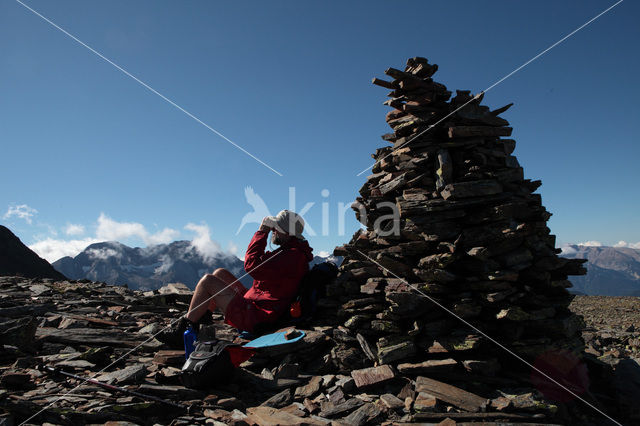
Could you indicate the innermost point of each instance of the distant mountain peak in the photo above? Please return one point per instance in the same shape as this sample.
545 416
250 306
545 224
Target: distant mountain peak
611 271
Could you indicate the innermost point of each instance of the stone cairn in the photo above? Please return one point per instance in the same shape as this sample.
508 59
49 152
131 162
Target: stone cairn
470 234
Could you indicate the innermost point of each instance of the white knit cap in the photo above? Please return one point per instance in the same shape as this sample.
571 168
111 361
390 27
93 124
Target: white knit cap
289 222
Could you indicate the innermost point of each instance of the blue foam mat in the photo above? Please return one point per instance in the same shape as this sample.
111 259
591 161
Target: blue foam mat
273 339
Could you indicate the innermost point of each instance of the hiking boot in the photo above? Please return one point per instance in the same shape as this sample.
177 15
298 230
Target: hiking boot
174 336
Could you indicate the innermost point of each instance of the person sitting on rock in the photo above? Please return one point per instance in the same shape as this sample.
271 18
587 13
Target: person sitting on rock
276 277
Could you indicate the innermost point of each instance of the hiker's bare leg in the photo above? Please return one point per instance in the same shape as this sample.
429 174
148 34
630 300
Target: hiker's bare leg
209 289
220 287
230 279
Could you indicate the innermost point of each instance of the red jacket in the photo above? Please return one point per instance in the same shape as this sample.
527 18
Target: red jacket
275 281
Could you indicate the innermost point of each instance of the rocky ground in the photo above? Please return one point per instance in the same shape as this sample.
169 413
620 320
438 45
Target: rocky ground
612 337
106 332
613 325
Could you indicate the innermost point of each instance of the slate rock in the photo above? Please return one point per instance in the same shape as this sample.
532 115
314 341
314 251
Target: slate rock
77 364
170 392
169 357
280 399
451 394
372 376
310 389
424 402
19 332
231 403
391 401
363 415
347 383
396 352
330 410
429 366
267 416
131 374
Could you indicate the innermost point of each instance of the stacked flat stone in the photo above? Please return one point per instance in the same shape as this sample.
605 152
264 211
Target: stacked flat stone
471 235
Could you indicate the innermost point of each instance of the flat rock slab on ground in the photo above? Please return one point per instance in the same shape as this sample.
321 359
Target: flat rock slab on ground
131 374
169 357
372 376
435 365
451 394
88 336
268 416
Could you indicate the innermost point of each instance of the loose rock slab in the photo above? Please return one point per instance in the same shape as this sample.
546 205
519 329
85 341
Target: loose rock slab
372 376
455 396
427 366
267 416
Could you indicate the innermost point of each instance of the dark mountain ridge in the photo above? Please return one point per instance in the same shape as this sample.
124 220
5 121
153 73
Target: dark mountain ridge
18 259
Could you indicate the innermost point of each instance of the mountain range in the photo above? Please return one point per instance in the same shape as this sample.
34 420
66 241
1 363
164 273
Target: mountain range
611 271
147 268
151 267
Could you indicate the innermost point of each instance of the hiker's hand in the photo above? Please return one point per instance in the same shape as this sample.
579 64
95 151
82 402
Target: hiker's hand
264 228
266 225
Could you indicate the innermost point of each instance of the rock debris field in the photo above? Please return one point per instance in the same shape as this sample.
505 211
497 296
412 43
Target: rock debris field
82 327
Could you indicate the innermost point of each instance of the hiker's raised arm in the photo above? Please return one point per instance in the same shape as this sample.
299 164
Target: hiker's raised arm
254 258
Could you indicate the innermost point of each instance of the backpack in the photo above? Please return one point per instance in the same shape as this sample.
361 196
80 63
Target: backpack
311 289
209 364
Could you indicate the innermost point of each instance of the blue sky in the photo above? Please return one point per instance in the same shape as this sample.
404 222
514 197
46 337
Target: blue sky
92 152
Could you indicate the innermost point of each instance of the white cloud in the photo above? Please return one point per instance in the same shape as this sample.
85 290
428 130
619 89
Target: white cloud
567 249
103 253
626 244
167 263
21 211
232 248
323 253
111 230
591 244
202 242
73 229
162 237
52 249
